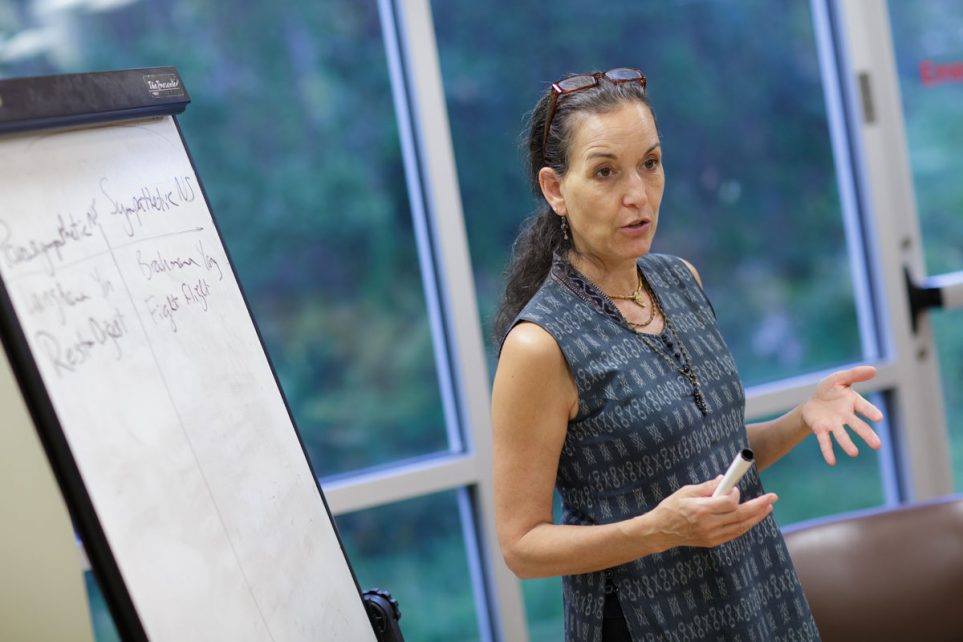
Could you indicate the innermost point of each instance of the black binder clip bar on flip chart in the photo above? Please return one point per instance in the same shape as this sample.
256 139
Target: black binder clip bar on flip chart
84 99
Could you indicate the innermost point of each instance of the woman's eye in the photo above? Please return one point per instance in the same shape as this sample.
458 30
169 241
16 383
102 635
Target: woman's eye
607 172
652 163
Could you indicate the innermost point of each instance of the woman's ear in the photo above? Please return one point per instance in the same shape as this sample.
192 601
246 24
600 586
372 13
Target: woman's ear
551 186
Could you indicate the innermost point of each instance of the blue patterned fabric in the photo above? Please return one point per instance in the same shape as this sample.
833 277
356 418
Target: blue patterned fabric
637 438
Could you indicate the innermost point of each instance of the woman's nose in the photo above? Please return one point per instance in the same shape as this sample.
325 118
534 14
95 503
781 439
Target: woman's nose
635 191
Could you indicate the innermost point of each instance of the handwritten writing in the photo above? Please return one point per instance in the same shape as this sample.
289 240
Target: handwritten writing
75 306
159 263
164 310
196 293
69 230
147 201
56 296
69 354
106 286
163 264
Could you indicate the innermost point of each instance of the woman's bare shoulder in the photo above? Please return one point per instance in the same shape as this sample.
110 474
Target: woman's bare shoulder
531 343
695 273
533 361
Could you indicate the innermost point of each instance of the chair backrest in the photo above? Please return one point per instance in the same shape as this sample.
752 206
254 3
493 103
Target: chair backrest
894 574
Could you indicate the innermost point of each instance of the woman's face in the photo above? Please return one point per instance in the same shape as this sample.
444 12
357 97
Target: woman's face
615 178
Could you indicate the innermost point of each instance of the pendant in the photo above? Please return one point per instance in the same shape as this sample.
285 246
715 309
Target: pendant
639 301
700 401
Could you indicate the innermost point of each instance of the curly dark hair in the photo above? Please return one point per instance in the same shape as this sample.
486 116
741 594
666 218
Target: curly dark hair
541 233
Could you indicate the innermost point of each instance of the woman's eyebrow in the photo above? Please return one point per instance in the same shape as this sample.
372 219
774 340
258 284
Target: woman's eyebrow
611 155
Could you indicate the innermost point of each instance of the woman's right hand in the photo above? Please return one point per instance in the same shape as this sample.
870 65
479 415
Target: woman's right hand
691 516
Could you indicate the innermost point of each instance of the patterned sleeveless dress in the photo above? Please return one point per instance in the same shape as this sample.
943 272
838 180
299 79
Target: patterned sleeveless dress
637 438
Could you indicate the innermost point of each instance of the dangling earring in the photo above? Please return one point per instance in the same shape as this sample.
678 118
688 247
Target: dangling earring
564 228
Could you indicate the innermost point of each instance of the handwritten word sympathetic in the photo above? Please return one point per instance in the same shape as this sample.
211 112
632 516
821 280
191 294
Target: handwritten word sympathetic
148 201
67 356
70 230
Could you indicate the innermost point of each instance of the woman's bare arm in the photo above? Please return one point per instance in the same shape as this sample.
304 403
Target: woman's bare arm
533 397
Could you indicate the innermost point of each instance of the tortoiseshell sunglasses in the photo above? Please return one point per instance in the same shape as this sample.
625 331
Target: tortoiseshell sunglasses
584 81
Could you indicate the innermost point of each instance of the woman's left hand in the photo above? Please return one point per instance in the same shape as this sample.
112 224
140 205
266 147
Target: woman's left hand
834 404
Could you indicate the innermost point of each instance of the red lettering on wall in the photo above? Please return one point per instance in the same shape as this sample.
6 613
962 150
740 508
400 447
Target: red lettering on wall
937 73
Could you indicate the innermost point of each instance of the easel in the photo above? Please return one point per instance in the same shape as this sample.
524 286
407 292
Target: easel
57 103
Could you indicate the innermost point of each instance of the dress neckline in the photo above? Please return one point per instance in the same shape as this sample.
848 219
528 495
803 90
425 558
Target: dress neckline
586 289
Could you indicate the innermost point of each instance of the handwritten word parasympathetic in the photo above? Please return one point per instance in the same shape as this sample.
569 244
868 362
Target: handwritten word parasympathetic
67 231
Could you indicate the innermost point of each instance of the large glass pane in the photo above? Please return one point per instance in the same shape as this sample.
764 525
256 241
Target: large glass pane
928 40
751 195
543 609
294 135
948 333
415 550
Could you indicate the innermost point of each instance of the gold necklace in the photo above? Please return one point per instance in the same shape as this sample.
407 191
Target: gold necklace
636 297
669 334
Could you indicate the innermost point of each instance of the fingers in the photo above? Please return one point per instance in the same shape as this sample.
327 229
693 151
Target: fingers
736 529
867 409
705 489
723 503
846 377
751 510
859 426
842 438
863 430
731 510
826 446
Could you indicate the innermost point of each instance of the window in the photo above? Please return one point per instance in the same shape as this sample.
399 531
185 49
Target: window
929 60
751 196
416 550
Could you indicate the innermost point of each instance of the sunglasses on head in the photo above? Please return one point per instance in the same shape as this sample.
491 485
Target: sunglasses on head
584 81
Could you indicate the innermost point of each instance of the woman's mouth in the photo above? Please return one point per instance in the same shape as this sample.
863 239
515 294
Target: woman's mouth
637 228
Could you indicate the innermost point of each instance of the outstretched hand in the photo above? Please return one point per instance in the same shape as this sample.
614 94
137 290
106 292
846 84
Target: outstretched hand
835 404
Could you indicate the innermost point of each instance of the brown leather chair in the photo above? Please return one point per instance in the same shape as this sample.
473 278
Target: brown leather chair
886 574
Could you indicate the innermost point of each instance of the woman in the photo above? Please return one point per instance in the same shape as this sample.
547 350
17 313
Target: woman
614 385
